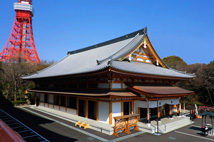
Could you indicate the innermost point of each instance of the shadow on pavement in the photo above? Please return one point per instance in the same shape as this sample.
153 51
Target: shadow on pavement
44 127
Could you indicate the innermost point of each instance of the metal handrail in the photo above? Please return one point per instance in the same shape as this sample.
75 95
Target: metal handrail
164 125
153 127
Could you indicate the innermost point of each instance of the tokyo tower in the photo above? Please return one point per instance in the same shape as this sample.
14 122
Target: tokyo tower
20 46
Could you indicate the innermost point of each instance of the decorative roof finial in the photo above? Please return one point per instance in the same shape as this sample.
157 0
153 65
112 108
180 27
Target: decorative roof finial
145 30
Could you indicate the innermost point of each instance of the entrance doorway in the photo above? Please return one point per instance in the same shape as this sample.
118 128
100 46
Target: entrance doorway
81 111
143 112
127 108
153 112
92 110
167 109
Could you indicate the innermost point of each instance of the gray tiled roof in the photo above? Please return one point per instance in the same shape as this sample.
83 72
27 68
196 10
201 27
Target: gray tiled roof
96 57
150 69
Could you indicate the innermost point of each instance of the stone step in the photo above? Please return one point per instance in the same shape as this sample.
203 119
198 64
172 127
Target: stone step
145 128
177 123
176 126
172 125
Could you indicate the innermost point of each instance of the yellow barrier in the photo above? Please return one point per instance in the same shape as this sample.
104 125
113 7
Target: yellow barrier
82 124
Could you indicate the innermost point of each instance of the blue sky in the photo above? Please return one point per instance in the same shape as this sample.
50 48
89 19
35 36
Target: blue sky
175 27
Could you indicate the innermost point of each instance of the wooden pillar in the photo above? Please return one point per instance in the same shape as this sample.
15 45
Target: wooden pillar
110 112
158 111
177 108
148 115
66 103
35 98
164 110
39 99
170 110
184 107
77 107
121 108
86 108
44 100
97 110
59 101
48 100
138 112
132 107
53 100
180 109
110 84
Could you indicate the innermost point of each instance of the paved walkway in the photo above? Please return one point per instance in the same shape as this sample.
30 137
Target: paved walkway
56 129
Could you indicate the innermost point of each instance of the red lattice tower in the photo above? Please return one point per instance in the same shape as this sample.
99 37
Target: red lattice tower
20 45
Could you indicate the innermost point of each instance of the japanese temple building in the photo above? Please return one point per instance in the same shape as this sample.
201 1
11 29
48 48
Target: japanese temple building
114 78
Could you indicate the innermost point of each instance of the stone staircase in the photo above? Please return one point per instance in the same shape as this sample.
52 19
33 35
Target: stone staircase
166 124
145 128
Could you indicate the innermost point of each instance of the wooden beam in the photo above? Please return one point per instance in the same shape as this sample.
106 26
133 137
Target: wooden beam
110 112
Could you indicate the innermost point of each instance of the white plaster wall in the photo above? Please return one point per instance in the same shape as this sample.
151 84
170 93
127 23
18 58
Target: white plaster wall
62 109
50 99
56 107
71 111
153 104
116 85
50 106
42 97
104 85
116 110
104 112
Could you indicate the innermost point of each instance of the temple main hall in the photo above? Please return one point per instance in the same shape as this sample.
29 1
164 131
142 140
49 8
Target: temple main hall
122 76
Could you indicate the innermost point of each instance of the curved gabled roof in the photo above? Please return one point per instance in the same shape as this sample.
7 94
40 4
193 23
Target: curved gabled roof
148 69
97 57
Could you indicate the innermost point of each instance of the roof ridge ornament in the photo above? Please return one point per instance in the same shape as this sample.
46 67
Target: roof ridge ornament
145 30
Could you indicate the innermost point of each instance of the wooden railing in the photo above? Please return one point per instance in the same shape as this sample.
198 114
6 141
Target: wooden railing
125 124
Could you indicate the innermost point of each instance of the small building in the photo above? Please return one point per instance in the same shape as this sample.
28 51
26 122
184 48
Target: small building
118 77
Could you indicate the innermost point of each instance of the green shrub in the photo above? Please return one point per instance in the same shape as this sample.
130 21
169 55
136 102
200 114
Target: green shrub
18 102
